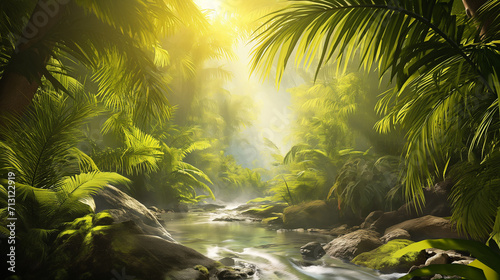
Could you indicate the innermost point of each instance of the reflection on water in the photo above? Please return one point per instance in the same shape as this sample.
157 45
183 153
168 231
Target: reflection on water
275 254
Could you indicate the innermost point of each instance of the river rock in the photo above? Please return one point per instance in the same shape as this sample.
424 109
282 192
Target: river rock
227 261
313 214
228 219
348 246
86 250
453 255
441 258
382 257
437 204
312 251
123 207
371 218
427 227
436 201
232 274
388 219
341 230
395 234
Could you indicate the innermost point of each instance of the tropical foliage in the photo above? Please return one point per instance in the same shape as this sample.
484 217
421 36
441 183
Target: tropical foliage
138 94
51 175
445 76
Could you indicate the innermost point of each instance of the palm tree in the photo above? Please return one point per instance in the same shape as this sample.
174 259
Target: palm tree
445 74
93 33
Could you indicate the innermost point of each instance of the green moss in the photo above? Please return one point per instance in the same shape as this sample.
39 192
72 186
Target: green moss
202 269
83 223
382 258
271 220
100 229
265 211
67 234
103 218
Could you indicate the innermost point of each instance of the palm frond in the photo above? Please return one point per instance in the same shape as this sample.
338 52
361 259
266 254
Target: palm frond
140 153
475 197
85 184
38 145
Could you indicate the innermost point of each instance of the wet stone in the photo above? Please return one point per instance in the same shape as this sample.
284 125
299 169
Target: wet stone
312 251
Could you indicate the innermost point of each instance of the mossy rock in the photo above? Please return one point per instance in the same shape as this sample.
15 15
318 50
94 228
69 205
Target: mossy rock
382 258
202 269
266 211
312 214
272 221
83 223
103 218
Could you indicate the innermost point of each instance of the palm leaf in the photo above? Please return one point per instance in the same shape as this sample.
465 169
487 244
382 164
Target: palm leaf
38 145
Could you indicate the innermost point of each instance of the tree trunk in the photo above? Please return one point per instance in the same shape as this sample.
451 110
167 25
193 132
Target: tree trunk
22 75
471 7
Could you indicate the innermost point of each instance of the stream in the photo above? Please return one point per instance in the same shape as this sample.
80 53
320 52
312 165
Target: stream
274 253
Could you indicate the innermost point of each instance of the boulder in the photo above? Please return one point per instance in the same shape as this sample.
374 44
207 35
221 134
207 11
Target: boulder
388 219
395 234
341 230
382 258
123 207
453 255
348 246
436 201
94 247
313 214
312 251
436 204
371 218
441 258
427 227
227 261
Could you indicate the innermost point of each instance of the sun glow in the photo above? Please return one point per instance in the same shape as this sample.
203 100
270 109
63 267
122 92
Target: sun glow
213 6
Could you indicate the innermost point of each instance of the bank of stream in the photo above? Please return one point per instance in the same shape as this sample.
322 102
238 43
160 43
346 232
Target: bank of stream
273 253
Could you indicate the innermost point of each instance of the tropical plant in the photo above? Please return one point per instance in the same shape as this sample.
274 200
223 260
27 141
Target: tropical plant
176 180
41 147
154 161
445 71
51 174
364 182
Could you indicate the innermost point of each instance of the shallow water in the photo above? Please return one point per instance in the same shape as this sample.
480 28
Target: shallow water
275 254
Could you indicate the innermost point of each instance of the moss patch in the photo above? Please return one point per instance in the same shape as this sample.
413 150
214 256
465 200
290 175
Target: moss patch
272 220
382 258
84 223
266 211
202 269
103 218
